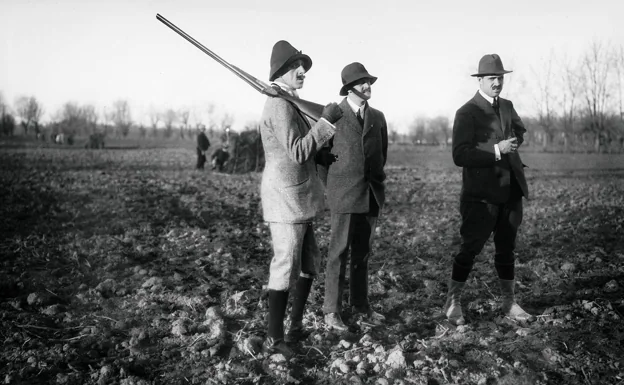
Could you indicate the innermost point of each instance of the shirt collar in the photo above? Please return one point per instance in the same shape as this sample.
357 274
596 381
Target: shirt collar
355 107
486 97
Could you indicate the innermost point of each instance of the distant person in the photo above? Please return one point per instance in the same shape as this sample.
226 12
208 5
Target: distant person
291 193
486 135
355 195
202 146
220 158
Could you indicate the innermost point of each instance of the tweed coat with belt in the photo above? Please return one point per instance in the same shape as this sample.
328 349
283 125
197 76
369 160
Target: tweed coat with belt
475 131
291 191
362 153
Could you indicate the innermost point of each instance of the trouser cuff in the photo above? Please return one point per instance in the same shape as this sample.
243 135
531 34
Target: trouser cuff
460 273
506 272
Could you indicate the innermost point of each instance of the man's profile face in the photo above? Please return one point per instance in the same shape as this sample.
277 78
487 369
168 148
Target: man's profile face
295 75
491 85
364 87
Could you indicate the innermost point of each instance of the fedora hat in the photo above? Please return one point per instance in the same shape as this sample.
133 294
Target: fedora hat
282 55
491 64
351 74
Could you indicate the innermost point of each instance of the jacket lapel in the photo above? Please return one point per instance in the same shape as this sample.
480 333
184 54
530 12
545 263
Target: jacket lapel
486 106
349 117
505 114
368 119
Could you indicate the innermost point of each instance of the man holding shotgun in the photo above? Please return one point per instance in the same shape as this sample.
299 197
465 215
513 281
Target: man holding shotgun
291 192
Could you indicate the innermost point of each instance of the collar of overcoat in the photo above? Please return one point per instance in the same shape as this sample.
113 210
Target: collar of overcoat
351 121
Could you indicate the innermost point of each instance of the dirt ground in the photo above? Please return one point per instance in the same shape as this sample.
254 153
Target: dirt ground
130 267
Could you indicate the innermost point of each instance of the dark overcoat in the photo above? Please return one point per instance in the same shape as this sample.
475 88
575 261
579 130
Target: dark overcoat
359 169
202 142
476 130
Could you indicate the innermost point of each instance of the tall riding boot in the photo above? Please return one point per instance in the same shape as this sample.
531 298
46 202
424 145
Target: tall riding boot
509 306
274 342
452 307
302 291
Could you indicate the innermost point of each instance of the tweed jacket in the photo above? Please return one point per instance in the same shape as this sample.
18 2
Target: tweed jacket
476 130
359 169
291 191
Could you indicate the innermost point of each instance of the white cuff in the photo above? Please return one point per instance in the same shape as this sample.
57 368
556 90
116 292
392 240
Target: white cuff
497 151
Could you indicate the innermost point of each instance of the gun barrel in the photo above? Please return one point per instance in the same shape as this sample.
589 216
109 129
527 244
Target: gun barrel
213 55
310 109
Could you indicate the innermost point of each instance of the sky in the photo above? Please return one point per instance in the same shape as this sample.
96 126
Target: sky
423 52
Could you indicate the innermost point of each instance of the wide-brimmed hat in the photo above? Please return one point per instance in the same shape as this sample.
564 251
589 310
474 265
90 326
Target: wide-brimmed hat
491 64
282 55
351 74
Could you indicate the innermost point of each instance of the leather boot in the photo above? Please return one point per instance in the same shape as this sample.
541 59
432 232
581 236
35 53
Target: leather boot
509 306
452 307
334 321
302 291
274 342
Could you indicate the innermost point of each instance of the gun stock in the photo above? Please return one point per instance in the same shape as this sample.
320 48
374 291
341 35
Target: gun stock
310 109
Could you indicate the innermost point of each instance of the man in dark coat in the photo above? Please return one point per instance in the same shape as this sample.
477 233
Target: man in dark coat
202 146
355 195
486 135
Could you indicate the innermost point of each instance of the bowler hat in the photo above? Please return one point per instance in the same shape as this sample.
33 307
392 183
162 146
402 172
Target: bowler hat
491 64
282 55
351 74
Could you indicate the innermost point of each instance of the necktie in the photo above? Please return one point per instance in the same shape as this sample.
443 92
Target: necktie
359 117
495 106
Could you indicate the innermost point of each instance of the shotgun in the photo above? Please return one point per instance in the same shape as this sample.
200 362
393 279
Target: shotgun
310 109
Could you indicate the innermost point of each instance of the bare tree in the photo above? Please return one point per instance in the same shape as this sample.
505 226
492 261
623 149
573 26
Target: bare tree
30 111
440 129
91 118
546 115
568 100
122 118
154 117
226 120
69 120
619 71
393 134
169 118
4 108
596 65
417 128
7 122
184 115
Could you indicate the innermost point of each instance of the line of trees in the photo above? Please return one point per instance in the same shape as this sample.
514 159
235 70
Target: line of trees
579 102
422 130
75 120
579 105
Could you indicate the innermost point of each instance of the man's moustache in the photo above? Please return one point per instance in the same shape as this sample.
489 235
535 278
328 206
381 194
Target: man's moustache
360 95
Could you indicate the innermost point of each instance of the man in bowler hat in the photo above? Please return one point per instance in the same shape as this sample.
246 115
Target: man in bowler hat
486 135
355 195
291 193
